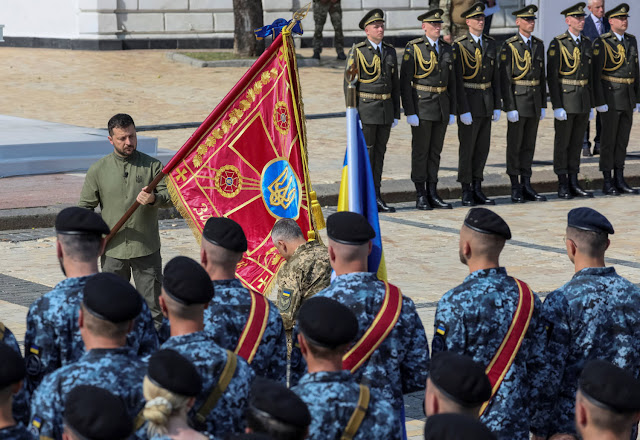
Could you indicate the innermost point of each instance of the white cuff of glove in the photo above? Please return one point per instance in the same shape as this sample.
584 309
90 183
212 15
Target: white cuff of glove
413 120
560 114
543 113
395 122
452 119
638 108
513 116
496 115
592 114
602 108
466 118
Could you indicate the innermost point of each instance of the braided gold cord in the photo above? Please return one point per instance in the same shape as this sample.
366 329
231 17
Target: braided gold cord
522 63
617 57
568 59
366 67
427 66
473 62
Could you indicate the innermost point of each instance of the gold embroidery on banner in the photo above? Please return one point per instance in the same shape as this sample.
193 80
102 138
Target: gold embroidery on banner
281 117
283 189
181 174
228 181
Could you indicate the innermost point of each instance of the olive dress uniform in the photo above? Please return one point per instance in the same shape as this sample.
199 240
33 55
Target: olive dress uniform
478 93
378 90
523 82
616 84
570 88
427 82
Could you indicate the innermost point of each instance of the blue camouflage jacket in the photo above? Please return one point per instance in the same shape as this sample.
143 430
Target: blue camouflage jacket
20 401
596 315
118 370
473 319
209 358
332 398
9 339
53 337
15 432
226 317
400 364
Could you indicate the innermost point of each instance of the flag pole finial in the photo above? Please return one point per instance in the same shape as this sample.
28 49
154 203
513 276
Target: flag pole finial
351 76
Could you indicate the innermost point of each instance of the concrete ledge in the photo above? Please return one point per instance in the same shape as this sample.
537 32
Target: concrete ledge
181 58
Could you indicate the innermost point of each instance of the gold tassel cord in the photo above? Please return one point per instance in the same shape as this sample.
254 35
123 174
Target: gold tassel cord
521 63
472 62
571 61
427 66
370 69
617 57
316 209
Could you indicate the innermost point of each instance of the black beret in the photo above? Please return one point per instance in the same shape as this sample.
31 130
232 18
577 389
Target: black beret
453 426
279 402
225 233
96 414
432 16
12 369
187 282
79 221
460 378
576 10
610 386
477 10
170 370
589 219
370 17
109 297
327 323
622 10
349 228
488 222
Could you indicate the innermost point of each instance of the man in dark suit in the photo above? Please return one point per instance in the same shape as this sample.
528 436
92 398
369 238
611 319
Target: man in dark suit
595 25
428 85
378 93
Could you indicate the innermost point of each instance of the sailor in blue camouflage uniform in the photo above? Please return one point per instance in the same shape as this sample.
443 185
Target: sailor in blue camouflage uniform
186 292
474 318
596 315
20 399
8 338
12 373
52 339
327 329
223 243
109 307
400 363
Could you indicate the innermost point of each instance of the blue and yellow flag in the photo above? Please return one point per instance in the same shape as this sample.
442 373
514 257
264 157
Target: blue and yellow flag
357 191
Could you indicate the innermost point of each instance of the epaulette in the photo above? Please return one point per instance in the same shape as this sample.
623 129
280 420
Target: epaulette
464 37
536 39
388 44
488 37
512 39
606 35
415 41
562 36
361 44
584 37
629 35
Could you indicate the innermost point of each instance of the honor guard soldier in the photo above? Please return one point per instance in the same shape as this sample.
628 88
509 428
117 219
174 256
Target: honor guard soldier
240 320
428 87
12 373
339 406
109 307
524 99
494 319
53 339
479 103
456 384
596 295
378 93
306 271
92 413
570 88
391 352
616 86
455 427
226 378
608 402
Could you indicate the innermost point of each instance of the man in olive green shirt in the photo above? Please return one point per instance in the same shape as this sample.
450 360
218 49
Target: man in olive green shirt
115 182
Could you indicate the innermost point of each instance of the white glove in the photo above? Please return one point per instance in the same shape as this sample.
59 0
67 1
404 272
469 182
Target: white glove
592 114
513 116
413 120
637 109
395 122
466 118
560 114
496 115
543 113
602 108
452 119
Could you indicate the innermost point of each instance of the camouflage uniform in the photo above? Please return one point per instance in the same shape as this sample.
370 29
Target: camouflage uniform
15 432
453 24
53 337
333 396
400 364
228 415
225 319
320 10
596 315
473 319
119 369
20 400
8 338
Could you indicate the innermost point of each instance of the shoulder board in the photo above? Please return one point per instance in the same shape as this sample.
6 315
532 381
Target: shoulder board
629 35
512 39
488 37
606 35
415 41
384 43
464 37
361 44
584 37
536 39
562 36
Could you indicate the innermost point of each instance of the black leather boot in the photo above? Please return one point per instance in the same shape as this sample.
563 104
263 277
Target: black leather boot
575 188
434 198
421 197
608 187
529 193
563 187
516 190
596 148
382 206
622 186
478 195
467 195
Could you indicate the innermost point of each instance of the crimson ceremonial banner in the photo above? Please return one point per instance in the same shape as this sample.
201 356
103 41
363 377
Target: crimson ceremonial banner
248 162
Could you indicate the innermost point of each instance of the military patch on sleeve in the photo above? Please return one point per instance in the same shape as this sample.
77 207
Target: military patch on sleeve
33 362
552 52
503 57
596 51
285 300
406 57
34 429
439 339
